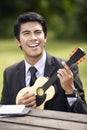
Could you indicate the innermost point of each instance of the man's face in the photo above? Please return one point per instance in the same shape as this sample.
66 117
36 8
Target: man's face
32 39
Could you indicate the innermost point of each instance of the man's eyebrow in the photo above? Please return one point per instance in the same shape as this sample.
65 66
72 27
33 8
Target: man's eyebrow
38 30
29 30
25 31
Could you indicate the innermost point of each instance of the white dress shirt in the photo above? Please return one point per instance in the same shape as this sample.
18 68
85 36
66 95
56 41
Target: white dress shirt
40 65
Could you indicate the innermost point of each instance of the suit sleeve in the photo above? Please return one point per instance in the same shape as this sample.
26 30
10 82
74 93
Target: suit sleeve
79 106
5 92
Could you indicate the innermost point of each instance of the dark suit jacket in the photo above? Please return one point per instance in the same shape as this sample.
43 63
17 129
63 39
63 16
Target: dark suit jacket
14 80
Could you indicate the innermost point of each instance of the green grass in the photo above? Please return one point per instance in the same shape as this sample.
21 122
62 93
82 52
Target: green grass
10 54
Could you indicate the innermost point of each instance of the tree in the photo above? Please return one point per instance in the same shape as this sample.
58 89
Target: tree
67 18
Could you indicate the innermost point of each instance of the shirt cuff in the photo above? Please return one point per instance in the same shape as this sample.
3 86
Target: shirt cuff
71 100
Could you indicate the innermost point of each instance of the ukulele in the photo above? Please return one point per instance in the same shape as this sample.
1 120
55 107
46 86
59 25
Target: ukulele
43 88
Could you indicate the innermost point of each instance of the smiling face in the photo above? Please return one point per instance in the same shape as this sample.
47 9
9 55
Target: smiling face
32 41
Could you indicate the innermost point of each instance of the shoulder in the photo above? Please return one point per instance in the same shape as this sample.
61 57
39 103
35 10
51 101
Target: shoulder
14 67
57 60
54 59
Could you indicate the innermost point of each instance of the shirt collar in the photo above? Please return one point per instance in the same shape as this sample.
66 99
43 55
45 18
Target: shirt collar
40 65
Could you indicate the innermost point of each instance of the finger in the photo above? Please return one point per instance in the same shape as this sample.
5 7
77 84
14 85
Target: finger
28 95
62 72
29 100
25 93
59 76
65 66
34 106
31 104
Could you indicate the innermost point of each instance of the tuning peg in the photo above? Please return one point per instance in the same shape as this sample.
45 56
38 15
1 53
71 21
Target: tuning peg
81 59
73 51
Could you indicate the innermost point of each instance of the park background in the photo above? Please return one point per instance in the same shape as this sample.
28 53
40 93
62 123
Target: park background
67 29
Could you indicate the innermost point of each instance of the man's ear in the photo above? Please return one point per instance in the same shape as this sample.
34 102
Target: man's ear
17 42
45 40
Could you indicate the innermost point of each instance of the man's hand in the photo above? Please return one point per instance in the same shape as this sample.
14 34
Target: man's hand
66 79
28 99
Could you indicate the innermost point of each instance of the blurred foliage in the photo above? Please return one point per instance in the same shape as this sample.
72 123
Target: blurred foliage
66 18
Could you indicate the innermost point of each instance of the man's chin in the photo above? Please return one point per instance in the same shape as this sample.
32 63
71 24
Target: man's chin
37 55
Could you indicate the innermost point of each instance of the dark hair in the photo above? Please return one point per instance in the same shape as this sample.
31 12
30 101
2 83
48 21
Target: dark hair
29 17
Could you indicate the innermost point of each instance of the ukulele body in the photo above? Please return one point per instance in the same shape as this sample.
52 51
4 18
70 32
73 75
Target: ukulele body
50 92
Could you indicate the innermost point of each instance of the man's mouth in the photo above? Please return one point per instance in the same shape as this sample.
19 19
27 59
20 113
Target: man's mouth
34 45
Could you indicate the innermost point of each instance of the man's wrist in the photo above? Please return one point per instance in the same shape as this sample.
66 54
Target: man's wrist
74 94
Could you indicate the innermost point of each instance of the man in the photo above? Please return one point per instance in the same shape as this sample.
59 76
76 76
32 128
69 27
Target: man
30 32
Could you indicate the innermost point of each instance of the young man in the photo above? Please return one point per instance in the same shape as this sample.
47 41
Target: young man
30 32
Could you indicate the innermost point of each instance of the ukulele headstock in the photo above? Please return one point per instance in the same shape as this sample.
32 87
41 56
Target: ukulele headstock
78 55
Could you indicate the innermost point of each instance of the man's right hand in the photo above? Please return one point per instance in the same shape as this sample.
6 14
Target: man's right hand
28 99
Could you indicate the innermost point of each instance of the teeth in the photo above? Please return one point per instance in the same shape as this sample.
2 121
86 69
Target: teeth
34 45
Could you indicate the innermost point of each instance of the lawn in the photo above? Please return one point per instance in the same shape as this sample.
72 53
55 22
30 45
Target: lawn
10 54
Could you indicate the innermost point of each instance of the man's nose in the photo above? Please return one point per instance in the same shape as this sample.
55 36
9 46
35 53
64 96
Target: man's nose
33 37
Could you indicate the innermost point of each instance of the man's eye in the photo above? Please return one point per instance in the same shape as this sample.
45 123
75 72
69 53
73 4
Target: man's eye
38 32
26 33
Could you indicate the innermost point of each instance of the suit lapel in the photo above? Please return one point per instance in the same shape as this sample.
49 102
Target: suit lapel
21 74
50 66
